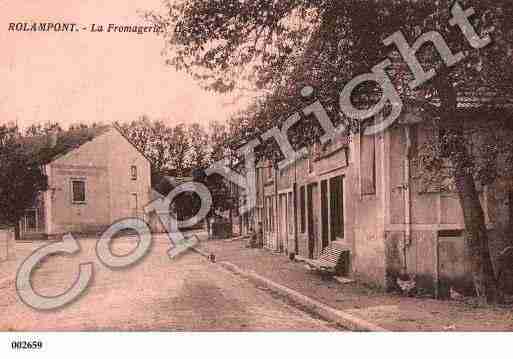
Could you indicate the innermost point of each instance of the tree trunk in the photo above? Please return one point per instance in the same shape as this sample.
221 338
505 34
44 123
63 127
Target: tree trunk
476 237
475 226
17 231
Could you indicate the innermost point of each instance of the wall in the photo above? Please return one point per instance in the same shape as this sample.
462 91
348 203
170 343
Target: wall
369 232
394 231
105 165
415 246
122 156
89 162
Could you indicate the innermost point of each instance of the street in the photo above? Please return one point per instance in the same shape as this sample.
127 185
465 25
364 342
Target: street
157 294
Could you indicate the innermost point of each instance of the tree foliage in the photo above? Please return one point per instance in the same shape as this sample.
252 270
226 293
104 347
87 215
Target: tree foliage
167 147
21 178
184 151
282 46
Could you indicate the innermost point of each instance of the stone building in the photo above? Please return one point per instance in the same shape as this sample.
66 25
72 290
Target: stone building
363 194
100 179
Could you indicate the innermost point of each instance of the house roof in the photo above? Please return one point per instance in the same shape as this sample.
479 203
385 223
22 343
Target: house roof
48 148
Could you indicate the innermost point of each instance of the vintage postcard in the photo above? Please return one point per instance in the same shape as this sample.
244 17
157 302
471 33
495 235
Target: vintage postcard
171 166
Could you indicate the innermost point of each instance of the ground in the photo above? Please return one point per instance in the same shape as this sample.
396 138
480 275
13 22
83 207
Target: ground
191 294
186 294
390 311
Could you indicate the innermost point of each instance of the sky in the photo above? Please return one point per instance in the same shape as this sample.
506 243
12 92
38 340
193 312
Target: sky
93 77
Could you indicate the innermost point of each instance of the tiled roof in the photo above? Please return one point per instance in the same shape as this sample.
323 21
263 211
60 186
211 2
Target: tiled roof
46 149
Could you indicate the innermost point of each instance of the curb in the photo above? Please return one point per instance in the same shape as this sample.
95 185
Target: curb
342 318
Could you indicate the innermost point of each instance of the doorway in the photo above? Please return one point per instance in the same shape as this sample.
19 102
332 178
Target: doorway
325 214
337 208
282 243
453 264
313 220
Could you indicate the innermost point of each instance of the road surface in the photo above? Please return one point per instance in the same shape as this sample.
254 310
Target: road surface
158 294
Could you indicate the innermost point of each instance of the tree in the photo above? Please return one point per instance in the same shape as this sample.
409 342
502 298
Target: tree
199 146
222 196
145 135
281 46
39 129
179 147
166 147
21 178
218 140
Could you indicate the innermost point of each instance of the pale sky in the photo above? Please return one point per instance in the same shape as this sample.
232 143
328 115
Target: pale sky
88 77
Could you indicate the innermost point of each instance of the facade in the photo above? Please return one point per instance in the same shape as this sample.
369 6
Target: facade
363 195
92 186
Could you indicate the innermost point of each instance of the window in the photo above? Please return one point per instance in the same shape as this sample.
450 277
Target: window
78 188
309 161
133 173
270 172
302 205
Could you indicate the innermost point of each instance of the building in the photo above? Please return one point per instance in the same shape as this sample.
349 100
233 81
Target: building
95 178
363 194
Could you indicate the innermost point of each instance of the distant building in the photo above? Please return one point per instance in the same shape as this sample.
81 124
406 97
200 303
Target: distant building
95 178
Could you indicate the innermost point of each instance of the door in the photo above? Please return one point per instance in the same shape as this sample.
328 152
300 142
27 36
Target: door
283 222
290 223
312 218
454 266
324 214
337 208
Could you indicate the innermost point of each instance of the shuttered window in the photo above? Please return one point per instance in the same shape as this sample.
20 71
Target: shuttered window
78 188
368 164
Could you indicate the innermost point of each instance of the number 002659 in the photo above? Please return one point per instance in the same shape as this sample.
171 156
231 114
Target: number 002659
27 345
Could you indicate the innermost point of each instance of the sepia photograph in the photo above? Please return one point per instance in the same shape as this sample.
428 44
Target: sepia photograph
323 176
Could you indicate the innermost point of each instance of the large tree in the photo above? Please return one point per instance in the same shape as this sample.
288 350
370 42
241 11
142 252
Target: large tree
199 146
167 147
21 178
281 46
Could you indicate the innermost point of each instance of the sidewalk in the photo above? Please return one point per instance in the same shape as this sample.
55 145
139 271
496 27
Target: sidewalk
389 311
